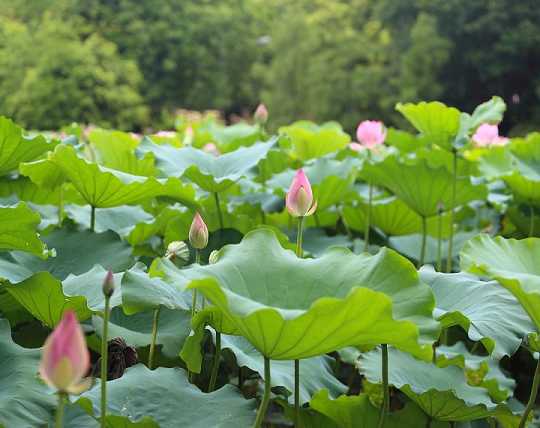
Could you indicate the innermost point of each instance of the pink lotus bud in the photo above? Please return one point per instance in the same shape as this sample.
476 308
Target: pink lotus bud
198 233
212 149
261 114
188 136
108 284
65 359
370 133
488 135
299 199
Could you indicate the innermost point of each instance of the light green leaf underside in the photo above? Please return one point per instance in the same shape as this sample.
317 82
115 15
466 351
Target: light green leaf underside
292 308
513 263
165 395
486 310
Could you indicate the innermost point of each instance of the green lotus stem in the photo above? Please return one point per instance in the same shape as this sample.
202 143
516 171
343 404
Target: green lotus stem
317 221
240 378
220 215
299 253
266 396
439 242
263 216
215 364
92 218
452 209
104 360
368 218
59 420
155 324
194 298
424 238
492 423
385 408
531 224
428 422
60 205
532 397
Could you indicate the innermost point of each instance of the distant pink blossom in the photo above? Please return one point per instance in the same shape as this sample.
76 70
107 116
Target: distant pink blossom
166 134
299 200
65 360
261 114
488 135
212 149
370 134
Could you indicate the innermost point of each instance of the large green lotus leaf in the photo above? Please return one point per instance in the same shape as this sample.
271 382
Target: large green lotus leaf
331 180
76 417
121 220
18 226
479 370
24 189
485 310
513 263
394 218
404 141
213 174
422 187
116 150
44 173
411 245
291 308
140 292
136 330
16 148
436 122
102 187
309 140
315 241
443 393
168 398
77 252
24 399
356 411
315 373
179 216
230 138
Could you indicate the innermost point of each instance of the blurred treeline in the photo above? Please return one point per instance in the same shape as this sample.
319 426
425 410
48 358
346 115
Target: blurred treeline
131 63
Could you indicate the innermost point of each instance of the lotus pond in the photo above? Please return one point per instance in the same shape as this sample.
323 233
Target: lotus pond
228 276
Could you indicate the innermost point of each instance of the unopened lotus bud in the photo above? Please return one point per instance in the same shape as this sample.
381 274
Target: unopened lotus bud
299 199
65 359
198 233
177 249
261 114
488 135
213 258
108 284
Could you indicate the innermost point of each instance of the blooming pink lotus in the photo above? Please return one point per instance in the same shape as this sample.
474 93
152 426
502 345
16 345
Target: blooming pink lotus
66 360
212 149
261 114
198 233
488 135
299 199
370 134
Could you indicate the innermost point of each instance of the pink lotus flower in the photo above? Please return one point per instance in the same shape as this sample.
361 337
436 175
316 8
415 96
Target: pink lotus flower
261 114
370 133
299 199
212 149
198 233
488 135
65 359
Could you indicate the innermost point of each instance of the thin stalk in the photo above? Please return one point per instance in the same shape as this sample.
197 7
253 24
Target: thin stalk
424 238
368 218
155 325
266 396
194 292
439 242
218 207
452 206
428 422
104 360
59 420
492 422
385 408
215 364
92 218
240 378
531 223
299 253
532 397
61 205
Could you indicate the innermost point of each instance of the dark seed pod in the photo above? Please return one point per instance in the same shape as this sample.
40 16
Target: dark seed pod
120 357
